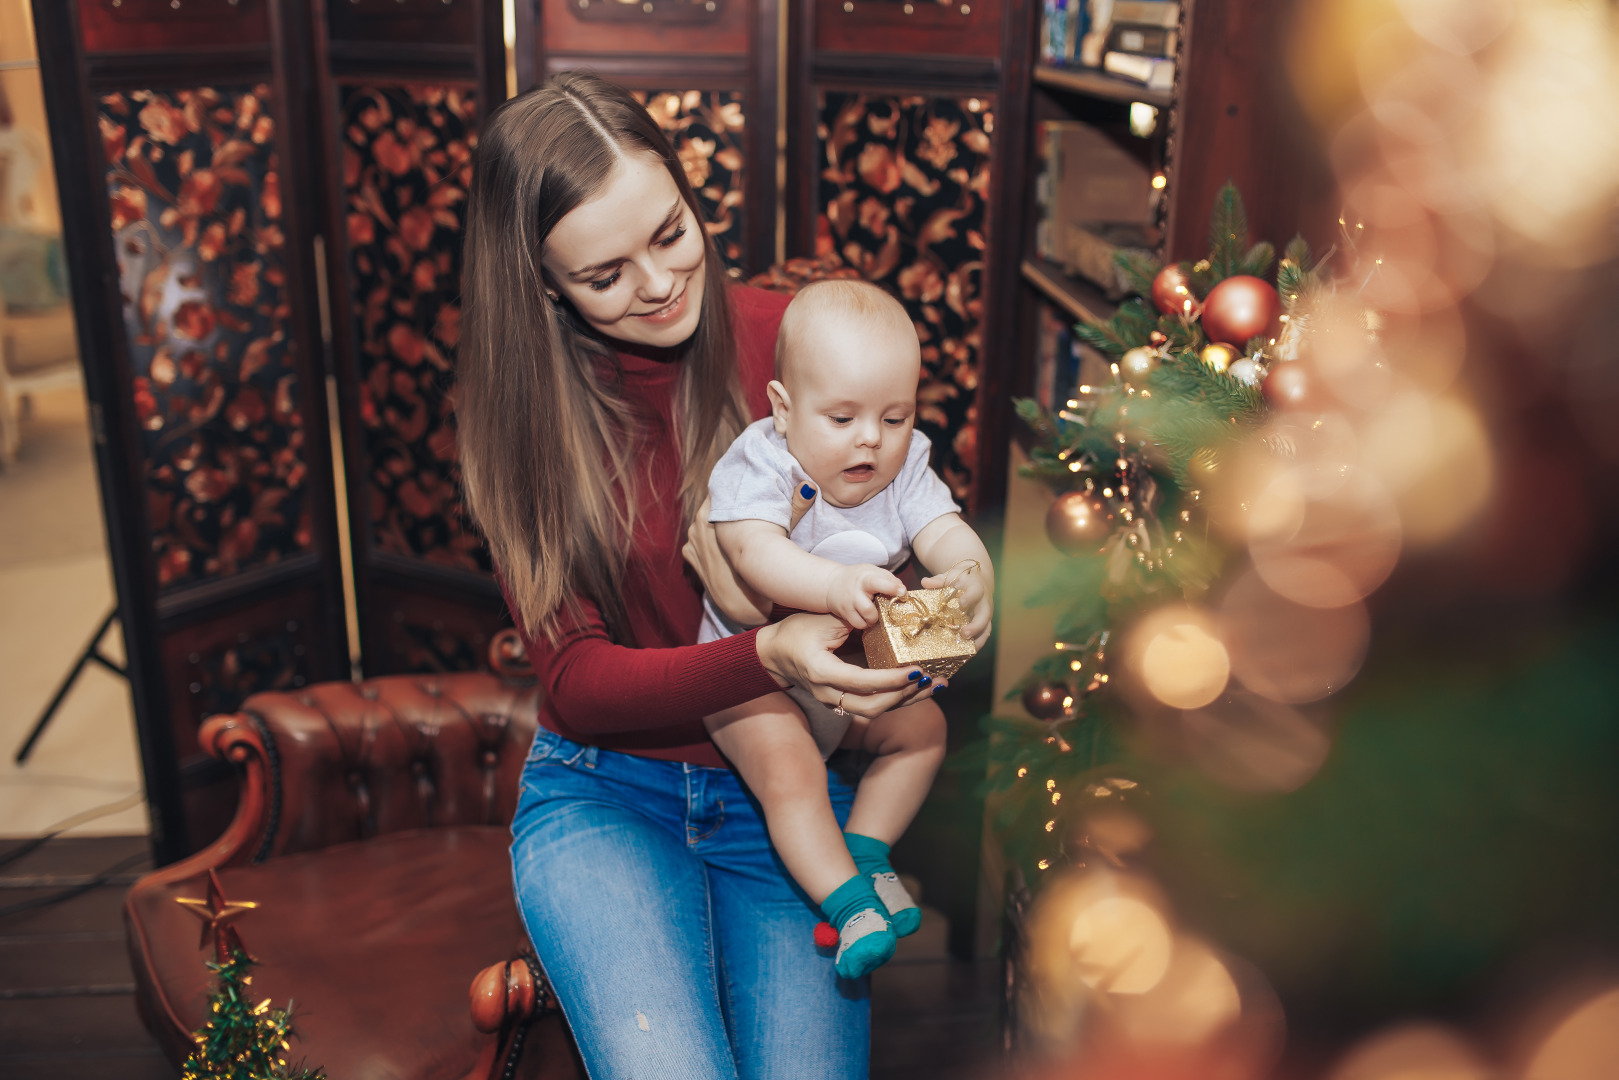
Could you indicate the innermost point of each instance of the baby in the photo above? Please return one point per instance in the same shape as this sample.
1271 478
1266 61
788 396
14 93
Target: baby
840 433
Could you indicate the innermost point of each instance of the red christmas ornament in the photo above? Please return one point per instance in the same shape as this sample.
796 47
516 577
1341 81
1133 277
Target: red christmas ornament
1171 289
1078 522
1240 308
1287 386
825 936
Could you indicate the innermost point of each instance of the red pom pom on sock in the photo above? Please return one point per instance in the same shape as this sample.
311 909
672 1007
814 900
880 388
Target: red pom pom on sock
826 936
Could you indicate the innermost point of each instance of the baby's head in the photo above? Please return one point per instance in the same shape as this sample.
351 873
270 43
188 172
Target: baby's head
847 364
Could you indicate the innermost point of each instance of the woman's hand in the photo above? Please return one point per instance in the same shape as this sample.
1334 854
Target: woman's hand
740 603
730 593
972 582
798 651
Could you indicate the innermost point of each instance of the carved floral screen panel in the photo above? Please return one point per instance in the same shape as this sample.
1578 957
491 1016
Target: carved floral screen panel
902 192
405 152
705 127
196 202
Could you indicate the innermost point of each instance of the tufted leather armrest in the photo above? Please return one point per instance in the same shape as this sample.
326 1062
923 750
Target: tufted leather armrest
342 761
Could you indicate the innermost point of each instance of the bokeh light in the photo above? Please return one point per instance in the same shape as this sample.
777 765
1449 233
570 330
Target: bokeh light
1584 1046
1250 743
1413 1052
1289 652
1179 656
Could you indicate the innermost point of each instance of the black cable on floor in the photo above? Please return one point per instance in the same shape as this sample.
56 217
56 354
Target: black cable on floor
77 890
36 842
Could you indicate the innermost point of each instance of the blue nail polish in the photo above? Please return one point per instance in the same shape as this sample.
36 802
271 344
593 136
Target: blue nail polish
927 680
807 491
938 688
913 676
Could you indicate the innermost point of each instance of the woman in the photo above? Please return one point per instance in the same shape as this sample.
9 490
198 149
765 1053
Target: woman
606 364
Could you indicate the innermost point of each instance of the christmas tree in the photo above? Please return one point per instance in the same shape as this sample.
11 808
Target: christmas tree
242 1041
1189 372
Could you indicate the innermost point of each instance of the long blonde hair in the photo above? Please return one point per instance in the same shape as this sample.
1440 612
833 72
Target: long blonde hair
549 448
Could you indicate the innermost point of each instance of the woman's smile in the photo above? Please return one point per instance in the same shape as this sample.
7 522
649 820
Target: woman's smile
668 313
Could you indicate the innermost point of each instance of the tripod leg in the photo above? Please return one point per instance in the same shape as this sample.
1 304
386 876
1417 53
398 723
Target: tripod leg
90 651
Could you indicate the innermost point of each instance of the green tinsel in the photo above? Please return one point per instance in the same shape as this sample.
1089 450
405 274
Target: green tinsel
242 1041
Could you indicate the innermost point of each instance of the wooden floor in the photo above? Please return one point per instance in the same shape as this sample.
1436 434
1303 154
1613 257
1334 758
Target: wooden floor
67 1009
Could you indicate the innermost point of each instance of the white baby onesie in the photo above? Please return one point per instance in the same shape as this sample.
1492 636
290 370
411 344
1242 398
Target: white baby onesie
755 480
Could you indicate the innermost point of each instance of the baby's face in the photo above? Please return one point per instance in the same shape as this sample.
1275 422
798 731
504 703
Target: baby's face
847 405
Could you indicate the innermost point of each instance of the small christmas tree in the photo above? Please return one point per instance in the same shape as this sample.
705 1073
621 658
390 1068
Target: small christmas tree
242 1041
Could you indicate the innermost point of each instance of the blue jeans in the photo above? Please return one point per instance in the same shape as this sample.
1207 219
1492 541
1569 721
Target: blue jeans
678 945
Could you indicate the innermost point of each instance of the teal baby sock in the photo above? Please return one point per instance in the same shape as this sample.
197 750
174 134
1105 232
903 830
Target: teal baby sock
871 859
865 940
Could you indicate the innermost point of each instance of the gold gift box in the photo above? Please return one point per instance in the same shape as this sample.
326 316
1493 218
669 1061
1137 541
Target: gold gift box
923 627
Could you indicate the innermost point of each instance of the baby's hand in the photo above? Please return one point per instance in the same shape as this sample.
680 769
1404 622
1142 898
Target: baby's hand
968 579
849 592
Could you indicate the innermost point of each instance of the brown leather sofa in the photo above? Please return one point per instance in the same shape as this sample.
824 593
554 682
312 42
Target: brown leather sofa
372 833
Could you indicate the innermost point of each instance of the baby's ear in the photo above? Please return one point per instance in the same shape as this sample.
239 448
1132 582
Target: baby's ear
781 406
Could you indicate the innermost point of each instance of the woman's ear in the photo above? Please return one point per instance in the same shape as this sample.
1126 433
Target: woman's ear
781 406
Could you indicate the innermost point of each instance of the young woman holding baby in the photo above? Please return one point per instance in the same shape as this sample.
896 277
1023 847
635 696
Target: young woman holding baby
606 367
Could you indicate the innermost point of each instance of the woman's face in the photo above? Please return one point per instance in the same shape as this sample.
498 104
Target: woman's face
631 259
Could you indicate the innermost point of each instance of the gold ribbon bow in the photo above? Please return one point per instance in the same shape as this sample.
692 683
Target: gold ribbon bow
919 617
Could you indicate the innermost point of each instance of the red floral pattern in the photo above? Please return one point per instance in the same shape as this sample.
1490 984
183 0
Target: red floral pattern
705 127
901 199
194 192
405 152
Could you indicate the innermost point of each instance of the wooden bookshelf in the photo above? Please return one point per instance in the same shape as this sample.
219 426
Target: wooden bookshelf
1099 84
1082 300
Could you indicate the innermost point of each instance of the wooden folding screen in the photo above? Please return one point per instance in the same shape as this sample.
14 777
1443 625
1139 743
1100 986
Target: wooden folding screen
707 70
183 157
214 158
402 88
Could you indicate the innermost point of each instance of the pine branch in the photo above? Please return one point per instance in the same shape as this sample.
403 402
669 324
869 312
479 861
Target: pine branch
1298 252
1138 269
1258 259
1134 323
1228 232
1037 418
1102 337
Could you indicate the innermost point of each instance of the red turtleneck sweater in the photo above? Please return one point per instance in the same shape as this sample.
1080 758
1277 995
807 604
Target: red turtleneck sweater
651 700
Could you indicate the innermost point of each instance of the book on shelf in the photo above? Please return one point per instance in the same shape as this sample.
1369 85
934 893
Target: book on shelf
1161 13
1143 40
1155 73
1062 25
1090 189
1061 360
1091 247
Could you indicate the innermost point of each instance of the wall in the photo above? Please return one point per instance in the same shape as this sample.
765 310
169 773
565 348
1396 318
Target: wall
27 105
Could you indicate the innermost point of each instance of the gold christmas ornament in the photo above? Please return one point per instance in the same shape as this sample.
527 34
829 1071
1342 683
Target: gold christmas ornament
1218 356
923 627
1138 363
